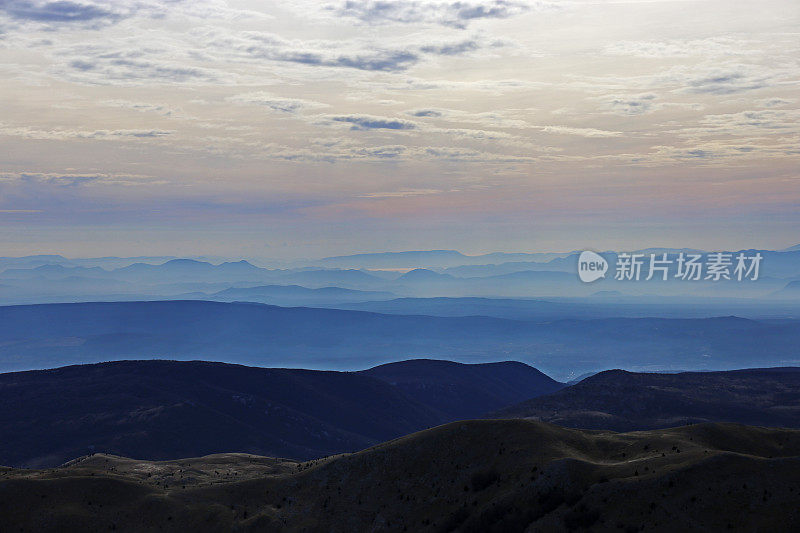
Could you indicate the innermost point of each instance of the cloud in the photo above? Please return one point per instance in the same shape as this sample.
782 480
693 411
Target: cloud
250 45
358 54
276 103
97 14
412 84
638 104
708 77
449 153
59 11
678 48
728 80
332 150
141 107
78 179
404 193
490 119
380 152
719 152
581 132
452 49
63 134
126 63
369 122
385 60
456 14
754 123
428 113
775 102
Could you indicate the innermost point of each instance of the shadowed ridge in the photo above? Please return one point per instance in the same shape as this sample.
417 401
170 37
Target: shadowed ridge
625 401
166 409
461 390
160 409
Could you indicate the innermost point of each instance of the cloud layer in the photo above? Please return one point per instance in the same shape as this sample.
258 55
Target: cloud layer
400 112
457 14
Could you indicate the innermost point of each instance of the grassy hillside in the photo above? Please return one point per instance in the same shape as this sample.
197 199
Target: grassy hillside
480 476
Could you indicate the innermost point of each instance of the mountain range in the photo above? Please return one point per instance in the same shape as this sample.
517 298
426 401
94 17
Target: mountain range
441 273
52 335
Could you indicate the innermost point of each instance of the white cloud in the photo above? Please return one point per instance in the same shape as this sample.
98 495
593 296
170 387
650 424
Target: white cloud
680 48
276 103
581 132
64 134
404 193
81 179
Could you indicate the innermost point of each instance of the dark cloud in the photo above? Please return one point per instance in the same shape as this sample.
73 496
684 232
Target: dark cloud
351 54
391 61
425 113
454 14
633 105
726 83
79 64
61 11
273 48
367 122
702 154
387 61
381 61
451 49
110 66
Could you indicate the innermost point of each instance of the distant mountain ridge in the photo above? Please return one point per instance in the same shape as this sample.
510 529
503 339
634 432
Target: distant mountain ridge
792 289
51 335
426 259
436 273
293 295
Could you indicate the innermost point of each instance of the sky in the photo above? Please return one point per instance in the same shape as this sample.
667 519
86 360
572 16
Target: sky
312 128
